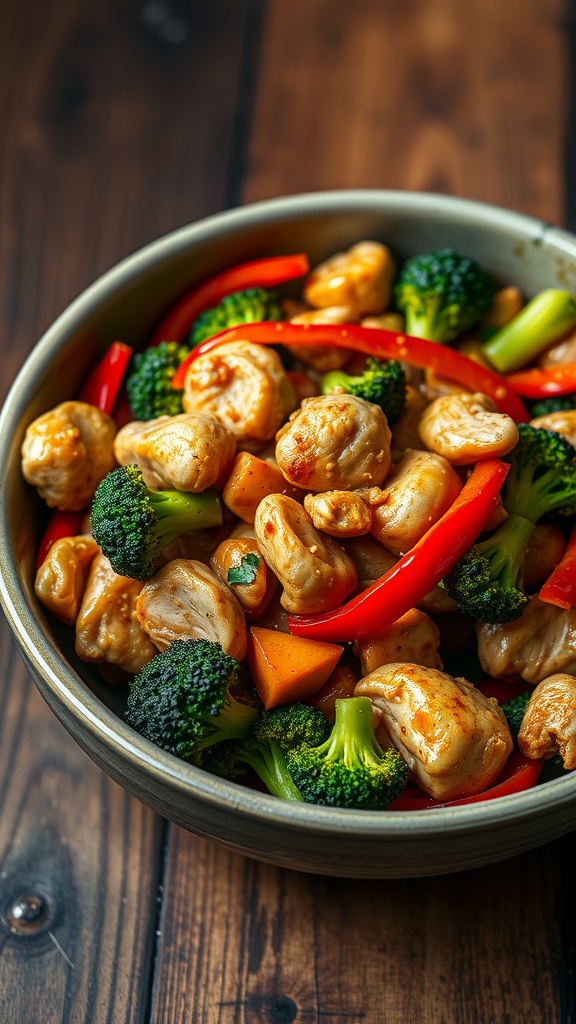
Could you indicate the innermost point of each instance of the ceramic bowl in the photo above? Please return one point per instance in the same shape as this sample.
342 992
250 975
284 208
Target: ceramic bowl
125 303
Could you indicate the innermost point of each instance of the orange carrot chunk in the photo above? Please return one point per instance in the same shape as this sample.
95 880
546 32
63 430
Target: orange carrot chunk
286 668
251 480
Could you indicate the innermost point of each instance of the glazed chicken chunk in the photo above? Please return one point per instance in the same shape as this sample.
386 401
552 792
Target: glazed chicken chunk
61 579
549 725
361 278
540 643
335 442
245 386
455 740
414 637
467 428
189 452
67 452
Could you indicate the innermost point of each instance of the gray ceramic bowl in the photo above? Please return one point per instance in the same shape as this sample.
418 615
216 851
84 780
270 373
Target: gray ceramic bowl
125 303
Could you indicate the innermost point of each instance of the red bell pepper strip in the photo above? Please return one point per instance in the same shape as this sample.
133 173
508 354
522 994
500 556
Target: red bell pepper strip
519 773
503 691
417 572
560 587
102 385
373 341
264 273
537 383
101 389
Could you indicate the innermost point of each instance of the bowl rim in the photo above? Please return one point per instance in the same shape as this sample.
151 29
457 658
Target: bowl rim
66 685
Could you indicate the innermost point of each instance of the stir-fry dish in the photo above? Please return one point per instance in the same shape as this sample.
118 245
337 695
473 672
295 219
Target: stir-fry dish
322 527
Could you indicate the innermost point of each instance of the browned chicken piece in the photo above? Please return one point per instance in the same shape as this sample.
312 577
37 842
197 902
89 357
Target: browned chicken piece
256 589
419 490
186 601
538 644
339 513
455 740
245 386
466 428
335 442
561 422
389 321
107 628
189 452
436 386
361 277
506 304
67 452
61 579
414 637
323 358
405 433
314 571
560 353
545 550
549 724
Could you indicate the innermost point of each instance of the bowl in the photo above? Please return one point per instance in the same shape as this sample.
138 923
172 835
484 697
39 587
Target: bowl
126 303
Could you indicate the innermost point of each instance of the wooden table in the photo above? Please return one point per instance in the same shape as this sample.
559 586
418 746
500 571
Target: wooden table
120 121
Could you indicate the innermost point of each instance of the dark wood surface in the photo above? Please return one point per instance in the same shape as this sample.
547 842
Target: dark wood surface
120 121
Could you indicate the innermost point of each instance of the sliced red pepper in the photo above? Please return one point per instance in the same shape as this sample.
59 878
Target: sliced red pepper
264 273
560 587
62 523
374 341
537 383
417 572
503 691
102 385
519 773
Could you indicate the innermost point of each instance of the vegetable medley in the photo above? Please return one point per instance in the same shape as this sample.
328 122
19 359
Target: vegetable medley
283 521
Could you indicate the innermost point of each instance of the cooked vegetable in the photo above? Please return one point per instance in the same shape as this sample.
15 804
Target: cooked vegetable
246 571
349 769
132 523
182 701
149 384
515 709
442 294
102 386
560 587
244 307
382 382
250 480
287 668
519 773
555 403
547 316
555 384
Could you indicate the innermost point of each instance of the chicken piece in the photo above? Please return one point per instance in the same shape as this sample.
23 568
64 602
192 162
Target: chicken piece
323 358
361 277
339 513
540 643
61 579
560 353
506 304
67 452
545 550
390 321
186 601
242 554
414 638
561 422
419 490
405 433
189 452
436 386
107 629
335 442
549 724
314 571
455 740
466 428
245 386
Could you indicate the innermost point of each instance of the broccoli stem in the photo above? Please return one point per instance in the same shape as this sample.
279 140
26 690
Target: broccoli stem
334 379
509 552
352 739
178 512
232 721
267 760
547 316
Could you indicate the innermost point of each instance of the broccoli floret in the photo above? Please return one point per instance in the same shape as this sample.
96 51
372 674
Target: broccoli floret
382 382
514 711
442 294
290 725
349 769
486 582
244 307
181 699
557 403
148 385
547 316
132 523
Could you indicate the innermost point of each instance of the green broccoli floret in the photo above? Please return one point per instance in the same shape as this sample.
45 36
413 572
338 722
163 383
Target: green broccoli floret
148 386
547 316
514 711
290 725
132 523
382 382
486 582
442 294
557 403
349 769
244 307
181 699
